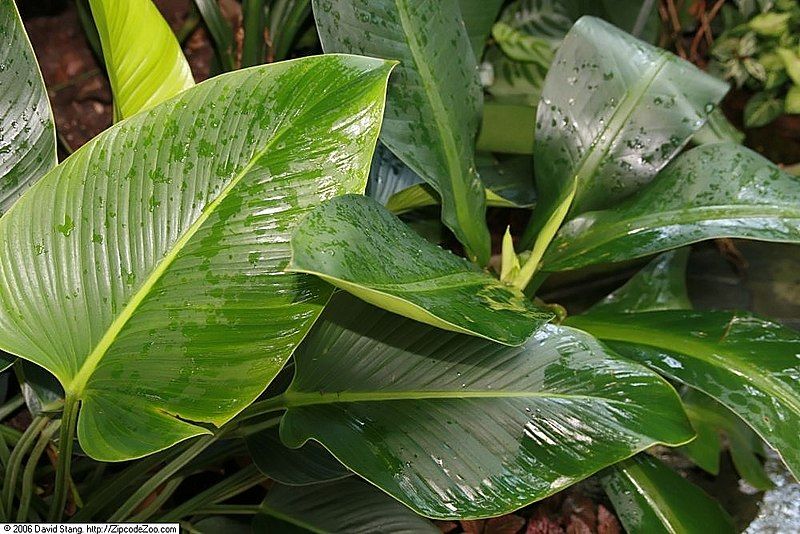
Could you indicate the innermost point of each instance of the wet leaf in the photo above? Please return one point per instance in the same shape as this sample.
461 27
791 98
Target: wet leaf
459 427
144 61
478 18
146 270
746 363
27 133
614 111
349 505
356 244
649 497
435 97
722 190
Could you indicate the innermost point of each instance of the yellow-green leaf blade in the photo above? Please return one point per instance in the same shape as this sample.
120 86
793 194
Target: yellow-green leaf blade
356 244
146 271
143 58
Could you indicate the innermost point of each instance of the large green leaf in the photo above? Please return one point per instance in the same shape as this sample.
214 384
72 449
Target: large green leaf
650 498
350 506
722 190
146 271
457 426
614 111
356 244
27 133
435 97
144 61
748 364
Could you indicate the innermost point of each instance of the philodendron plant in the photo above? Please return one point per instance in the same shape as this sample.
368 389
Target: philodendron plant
177 276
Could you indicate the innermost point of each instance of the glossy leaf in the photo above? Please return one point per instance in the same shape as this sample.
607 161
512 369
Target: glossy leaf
711 420
718 129
434 101
349 505
146 271
748 364
144 60
649 497
458 427
357 245
722 190
660 285
310 464
478 18
27 133
614 111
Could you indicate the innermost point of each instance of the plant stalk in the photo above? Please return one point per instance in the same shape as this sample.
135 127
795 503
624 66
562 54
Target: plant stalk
15 460
66 438
152 484
30 470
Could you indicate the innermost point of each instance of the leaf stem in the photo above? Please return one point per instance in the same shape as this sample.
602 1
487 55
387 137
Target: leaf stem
263 407
152 484
66 437
15 460
229 487
11 406
30 470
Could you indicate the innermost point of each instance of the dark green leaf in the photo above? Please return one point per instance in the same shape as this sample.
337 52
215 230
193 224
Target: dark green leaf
349 505
357 245
27 133
649 498
146 271
710 419
722 190
41 390
748 364
458 427
614 111
434 101
310 464
220 525
661 285
478 17
286 20
144 60
762 109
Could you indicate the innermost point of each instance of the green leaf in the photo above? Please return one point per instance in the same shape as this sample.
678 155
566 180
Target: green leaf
146 271
286 20
522 47
27 133
748 364
434 101
710 419
357 245
40 389
144 60
649 497
349 505
6 361
762 109
310 464
722 190
478 18
660 285
614 111
458 427
507 128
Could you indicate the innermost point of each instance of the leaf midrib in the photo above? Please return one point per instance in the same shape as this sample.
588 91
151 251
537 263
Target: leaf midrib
606 234
87 368
664 340
294 398
453 161
652 496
